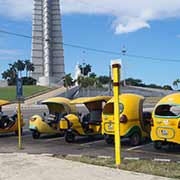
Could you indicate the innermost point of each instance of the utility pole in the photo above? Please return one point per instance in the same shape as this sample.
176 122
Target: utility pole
110 81
19 96
116 68
124 51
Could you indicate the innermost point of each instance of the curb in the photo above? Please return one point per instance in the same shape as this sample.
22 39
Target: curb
109 157
93 157
25 108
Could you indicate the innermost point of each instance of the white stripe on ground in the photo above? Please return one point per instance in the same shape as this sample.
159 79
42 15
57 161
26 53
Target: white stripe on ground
53 139
132 158
94 142
138 147
162 160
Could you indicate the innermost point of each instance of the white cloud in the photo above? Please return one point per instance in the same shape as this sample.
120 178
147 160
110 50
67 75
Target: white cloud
16 9
131 26
129 15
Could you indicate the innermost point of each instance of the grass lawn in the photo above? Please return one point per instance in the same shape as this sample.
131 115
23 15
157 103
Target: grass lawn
165 169
9 93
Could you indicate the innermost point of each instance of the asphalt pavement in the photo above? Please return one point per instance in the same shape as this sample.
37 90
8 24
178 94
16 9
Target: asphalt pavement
96 146
56 145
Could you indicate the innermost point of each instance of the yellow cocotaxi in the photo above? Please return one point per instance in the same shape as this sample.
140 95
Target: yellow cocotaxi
8 124
85 122
49 124
134 123
165 125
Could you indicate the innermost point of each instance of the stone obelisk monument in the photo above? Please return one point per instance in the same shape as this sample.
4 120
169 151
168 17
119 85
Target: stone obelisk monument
47 47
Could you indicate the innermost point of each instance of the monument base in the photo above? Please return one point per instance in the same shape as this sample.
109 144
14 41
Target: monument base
50 81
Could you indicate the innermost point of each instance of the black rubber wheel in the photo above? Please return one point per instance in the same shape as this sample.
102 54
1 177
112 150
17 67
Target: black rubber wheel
109 139
17 132
36 135
70 137
135 139
157 145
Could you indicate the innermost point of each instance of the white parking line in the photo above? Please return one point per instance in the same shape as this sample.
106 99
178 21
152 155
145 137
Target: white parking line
52 139
137 147
162 160
94 142
132 158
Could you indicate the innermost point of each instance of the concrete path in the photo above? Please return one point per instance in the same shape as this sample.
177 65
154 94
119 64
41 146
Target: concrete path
45 96
41 167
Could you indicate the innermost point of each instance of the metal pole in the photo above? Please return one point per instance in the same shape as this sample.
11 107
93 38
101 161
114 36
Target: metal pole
110 79
19 126
116 84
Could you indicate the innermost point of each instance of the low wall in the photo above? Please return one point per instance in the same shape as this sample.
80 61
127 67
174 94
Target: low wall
69 93
3 83
146 92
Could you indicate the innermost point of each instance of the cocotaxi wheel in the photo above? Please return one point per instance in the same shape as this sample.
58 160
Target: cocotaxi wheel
70 137
36 135
109 139
157 145
17 132
135 139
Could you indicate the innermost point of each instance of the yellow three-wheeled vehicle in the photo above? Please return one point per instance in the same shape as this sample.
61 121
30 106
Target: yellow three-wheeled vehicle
49 123
166 121
8 124
86 122
135 124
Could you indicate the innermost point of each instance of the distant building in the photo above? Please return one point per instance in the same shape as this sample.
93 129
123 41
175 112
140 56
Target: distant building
47 47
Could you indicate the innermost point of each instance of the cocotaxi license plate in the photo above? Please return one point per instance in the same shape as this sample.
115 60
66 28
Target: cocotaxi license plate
164 132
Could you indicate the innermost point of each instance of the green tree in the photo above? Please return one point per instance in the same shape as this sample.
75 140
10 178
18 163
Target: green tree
154 86
19 65
167 87
92 75
29 67
10 75
133 82
176 83
104 79
85 82
5 75
68 81
85 69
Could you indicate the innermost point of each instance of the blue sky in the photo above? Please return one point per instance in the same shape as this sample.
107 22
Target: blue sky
156 37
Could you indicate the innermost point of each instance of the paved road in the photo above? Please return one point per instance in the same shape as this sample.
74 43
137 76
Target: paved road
85 146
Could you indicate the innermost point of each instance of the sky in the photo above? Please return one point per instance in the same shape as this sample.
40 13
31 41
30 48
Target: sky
144 27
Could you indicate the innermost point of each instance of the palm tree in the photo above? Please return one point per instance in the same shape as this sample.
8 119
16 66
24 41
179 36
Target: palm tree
5 75
88 68
29 67
19 66
85 69
176 83
68 80
27 64
10 75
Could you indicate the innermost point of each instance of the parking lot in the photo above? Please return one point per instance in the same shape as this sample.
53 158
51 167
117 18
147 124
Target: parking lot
56 145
